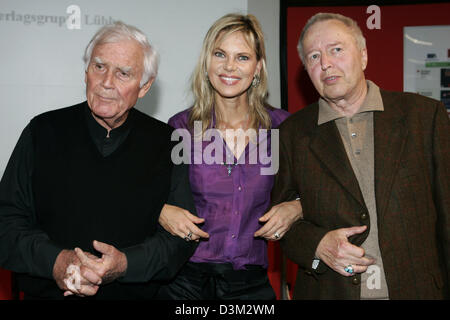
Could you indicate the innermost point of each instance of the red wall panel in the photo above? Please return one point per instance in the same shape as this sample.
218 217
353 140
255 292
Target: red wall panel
5 285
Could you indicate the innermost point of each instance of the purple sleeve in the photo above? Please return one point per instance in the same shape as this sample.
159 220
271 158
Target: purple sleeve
278 116
180 120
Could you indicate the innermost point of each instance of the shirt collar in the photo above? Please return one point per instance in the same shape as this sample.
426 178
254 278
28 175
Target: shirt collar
99 132
372 102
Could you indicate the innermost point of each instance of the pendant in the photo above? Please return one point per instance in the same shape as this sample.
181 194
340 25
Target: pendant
230 167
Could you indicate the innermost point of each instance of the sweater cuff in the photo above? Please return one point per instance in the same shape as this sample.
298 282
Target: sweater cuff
45 257
135 264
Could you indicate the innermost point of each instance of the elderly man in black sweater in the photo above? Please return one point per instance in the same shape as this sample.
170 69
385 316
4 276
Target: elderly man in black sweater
95 177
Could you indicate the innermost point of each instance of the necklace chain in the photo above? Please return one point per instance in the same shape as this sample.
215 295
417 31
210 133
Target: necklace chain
230 166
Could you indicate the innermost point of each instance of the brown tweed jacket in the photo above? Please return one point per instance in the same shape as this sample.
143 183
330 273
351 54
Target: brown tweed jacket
412 187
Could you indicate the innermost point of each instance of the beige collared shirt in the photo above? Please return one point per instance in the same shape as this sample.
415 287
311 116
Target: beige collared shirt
358 138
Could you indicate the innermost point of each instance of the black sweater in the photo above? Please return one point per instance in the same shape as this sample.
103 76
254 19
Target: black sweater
84 186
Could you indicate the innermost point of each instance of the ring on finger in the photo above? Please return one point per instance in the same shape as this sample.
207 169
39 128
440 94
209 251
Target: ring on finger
349 269
276 235
188 237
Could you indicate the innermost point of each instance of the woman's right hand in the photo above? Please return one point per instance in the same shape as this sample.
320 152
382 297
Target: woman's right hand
180 222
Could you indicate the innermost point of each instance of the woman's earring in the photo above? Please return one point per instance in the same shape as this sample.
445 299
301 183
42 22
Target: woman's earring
256 81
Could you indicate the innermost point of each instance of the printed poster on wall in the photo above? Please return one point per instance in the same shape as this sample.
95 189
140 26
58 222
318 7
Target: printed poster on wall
427 62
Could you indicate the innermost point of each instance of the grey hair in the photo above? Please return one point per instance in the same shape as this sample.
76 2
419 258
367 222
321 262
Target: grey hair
318 17
120 31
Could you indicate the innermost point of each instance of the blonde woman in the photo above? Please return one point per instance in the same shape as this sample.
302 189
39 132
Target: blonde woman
230 189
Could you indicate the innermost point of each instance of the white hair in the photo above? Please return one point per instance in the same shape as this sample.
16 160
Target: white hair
120 31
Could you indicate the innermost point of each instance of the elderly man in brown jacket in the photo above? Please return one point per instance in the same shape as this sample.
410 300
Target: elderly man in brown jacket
372 169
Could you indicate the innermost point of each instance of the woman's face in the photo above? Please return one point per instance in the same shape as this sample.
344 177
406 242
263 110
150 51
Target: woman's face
233 64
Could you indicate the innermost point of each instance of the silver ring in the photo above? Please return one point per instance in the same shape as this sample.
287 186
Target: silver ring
276 235
349 269
189 236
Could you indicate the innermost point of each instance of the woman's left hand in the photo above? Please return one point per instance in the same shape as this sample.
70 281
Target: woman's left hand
279 219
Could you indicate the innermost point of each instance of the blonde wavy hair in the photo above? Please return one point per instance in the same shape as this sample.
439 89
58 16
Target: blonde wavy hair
203 92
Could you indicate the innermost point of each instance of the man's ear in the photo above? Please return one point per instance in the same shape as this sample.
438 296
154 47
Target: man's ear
144 89
364 58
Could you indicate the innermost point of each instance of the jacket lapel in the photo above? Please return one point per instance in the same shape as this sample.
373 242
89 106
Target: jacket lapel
328 147
390 135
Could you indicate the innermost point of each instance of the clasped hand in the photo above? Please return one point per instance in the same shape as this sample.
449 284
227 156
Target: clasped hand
81 273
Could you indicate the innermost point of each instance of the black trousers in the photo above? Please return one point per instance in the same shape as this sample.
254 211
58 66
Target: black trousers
217 281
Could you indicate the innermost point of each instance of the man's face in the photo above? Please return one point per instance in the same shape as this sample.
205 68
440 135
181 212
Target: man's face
112 80
333 60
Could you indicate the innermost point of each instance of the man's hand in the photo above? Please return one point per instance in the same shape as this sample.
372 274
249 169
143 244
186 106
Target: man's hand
68 278
337 252
279 219
106 269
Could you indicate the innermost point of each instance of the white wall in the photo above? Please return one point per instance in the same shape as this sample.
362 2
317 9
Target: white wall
268 14
41 61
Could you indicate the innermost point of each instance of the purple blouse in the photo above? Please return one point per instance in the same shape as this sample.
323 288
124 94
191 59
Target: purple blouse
231 202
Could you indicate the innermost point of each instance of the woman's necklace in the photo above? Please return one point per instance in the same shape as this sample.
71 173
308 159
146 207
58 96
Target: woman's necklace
230 167
223 129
